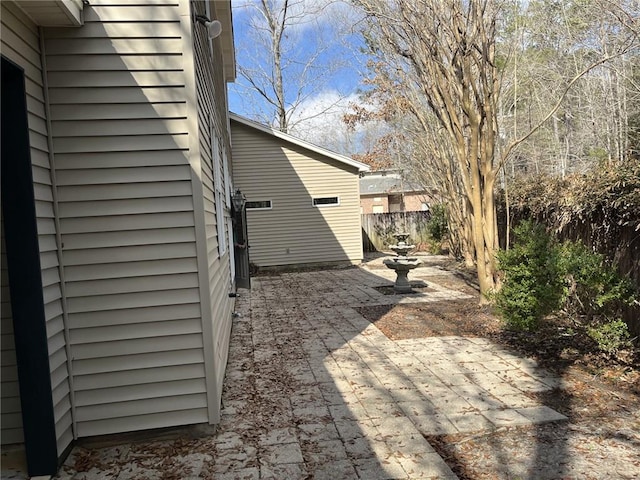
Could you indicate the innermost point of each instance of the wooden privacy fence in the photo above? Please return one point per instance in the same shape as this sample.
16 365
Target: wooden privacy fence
378 229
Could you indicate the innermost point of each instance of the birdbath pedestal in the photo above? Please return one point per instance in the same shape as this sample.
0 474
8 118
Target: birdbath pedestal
402 268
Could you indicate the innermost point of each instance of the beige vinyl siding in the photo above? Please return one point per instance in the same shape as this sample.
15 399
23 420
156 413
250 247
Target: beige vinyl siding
212 114
21 44
293 231
125 193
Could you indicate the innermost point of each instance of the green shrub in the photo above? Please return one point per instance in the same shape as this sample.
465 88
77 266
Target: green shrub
437 225
434 246
532 281
592 287
436 228
384 235
596 293
540 276
610 336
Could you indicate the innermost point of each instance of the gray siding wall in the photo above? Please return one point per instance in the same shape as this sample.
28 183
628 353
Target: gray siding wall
21 44
213 122
121 138
294 231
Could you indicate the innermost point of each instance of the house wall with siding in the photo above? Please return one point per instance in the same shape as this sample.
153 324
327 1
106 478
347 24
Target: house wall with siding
21 44
122 138
212 120
294 231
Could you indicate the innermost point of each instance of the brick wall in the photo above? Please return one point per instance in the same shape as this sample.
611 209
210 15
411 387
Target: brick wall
368 202
412 203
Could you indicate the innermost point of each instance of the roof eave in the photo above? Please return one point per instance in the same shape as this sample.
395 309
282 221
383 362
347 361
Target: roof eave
223 14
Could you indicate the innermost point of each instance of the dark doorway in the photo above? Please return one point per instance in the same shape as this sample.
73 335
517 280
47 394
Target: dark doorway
24 272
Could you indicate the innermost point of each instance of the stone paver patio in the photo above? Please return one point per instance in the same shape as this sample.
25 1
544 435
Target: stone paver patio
315 391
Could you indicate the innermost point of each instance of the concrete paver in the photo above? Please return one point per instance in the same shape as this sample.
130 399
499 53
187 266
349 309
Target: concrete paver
313 390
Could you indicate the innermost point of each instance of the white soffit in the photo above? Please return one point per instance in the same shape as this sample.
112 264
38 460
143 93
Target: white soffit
53 13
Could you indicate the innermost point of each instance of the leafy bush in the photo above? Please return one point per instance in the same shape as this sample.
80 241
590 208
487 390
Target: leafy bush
532 286
592 287
437 224
610 336
385 234
541 276
437 228
595 292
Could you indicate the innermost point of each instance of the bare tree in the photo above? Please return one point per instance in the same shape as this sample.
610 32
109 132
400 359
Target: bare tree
551 46
448 47
438 73
284 57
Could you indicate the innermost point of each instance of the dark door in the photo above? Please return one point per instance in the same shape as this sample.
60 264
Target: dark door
241 247
23 266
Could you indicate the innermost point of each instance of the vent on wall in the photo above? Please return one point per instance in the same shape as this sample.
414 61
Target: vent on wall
326 201
259 205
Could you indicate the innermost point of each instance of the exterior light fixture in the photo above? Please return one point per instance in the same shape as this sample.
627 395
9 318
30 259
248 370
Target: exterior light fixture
238 200
214 27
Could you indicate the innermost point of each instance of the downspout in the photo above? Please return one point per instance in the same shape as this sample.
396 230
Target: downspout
59 245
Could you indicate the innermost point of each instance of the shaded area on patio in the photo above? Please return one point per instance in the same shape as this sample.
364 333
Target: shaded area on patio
315 390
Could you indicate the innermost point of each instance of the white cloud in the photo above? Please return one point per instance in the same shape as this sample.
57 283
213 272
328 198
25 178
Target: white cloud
319 120
303 14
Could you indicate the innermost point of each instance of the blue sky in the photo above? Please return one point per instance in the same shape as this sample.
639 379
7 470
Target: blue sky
326 29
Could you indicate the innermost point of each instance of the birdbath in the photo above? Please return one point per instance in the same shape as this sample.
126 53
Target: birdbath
402 264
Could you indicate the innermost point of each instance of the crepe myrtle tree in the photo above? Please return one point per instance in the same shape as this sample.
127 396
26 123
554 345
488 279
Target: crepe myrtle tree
448 46
435 67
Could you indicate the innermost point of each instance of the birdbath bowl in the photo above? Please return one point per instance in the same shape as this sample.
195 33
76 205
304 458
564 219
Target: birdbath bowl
402 248
402 266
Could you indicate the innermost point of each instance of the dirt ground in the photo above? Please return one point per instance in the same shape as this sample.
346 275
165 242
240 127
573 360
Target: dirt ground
601 396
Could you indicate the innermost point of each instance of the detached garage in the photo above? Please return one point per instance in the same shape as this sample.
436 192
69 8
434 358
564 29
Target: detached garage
303 205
